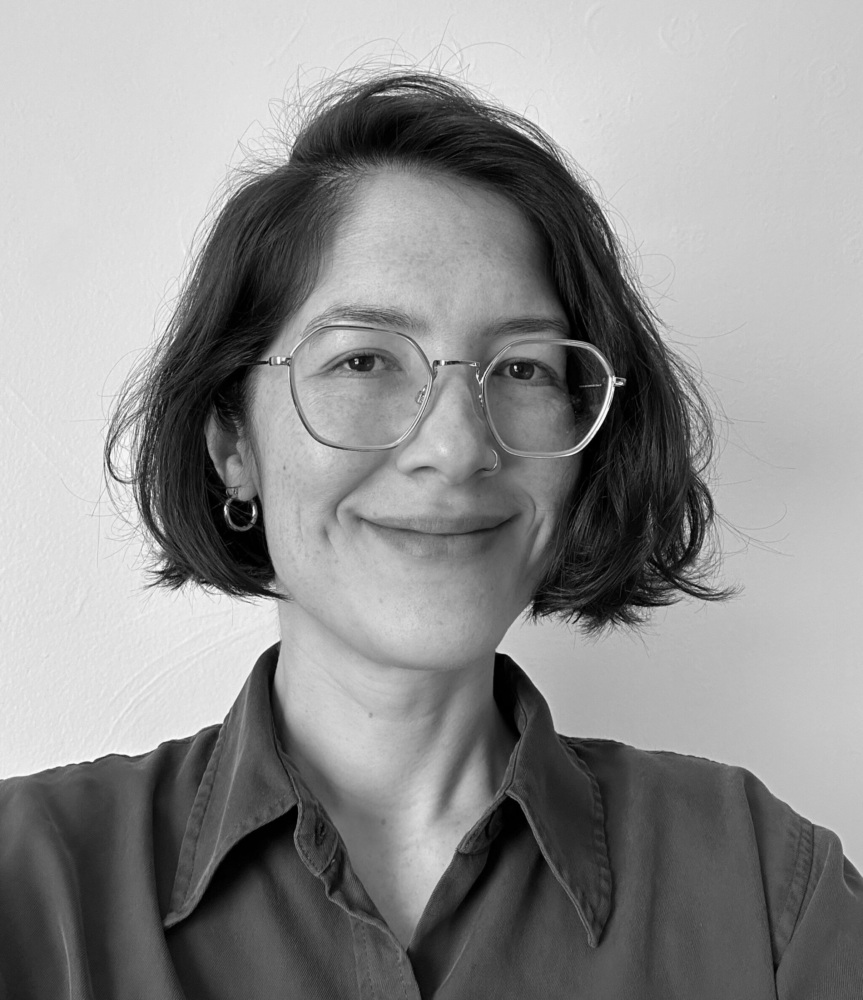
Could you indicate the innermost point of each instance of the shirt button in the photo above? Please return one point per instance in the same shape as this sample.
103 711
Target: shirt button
320 832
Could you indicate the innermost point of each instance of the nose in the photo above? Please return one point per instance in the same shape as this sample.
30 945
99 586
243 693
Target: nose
453 438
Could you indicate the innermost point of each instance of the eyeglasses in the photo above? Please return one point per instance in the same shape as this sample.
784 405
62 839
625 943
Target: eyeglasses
364 389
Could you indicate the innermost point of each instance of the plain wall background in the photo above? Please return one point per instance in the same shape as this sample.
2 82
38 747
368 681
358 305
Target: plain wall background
727 140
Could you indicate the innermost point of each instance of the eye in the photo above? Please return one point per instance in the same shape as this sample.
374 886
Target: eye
529 371
523 370
368 363
361 363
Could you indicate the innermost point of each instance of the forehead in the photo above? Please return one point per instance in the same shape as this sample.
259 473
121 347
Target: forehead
443 251
410 221
419 212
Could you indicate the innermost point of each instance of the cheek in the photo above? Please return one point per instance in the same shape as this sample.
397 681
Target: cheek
298 499
554 483
302 483
286 469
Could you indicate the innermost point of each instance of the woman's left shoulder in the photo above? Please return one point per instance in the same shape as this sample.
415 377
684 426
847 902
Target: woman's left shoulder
693 803
690 788
688 814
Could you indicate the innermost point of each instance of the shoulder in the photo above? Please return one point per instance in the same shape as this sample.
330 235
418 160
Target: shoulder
687 788
60 823
84 848
693 787
68 796
717 806
700 828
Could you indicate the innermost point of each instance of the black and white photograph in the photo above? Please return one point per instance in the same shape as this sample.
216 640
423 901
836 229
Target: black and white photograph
431 501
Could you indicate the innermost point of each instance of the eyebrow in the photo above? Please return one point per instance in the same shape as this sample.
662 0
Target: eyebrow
396 318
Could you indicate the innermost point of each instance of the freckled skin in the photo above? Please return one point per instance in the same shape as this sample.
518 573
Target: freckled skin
383 694
459 260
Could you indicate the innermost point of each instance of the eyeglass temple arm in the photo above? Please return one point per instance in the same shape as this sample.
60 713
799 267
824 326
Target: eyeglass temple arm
618 383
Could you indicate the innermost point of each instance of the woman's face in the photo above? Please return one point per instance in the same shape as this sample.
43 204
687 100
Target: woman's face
418 554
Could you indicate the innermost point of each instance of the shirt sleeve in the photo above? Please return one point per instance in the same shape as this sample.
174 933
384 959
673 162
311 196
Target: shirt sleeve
824 956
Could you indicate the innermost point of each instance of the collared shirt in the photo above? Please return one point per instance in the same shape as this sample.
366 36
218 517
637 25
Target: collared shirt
206 869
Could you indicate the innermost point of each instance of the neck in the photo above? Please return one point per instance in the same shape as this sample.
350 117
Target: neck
413 748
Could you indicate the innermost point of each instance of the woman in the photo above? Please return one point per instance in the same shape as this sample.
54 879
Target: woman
408 393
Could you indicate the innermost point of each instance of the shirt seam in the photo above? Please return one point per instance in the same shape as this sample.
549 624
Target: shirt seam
196 820
108 758
368 965
790 913
600 844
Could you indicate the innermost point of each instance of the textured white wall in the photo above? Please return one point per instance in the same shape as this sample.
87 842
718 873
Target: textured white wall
727 139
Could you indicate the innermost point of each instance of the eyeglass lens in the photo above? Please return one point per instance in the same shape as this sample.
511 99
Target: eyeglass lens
362 388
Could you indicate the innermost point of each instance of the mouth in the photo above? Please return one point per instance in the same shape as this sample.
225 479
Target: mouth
441 537
465 525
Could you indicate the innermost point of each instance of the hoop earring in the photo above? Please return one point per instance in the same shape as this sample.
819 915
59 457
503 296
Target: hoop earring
226 511
496 465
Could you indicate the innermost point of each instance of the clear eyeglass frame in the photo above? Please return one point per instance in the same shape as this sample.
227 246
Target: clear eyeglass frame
481 372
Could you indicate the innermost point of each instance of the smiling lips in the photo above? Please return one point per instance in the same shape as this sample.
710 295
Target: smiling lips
441 525
445 536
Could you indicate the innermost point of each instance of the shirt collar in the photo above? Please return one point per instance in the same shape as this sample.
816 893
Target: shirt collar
244 786
559 796
249 782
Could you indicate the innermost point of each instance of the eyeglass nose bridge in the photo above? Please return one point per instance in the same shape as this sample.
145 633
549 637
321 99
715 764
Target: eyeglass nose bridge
444 363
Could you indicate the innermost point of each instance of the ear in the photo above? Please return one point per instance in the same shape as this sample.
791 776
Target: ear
233 456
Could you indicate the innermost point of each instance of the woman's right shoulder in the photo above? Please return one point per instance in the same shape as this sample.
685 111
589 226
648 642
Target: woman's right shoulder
81 847
81 807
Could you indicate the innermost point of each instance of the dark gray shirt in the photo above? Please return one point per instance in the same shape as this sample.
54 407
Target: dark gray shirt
207 869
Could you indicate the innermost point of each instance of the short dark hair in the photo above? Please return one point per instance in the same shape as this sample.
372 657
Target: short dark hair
633 533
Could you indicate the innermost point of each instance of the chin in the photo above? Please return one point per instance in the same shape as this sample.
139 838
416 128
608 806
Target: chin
440 658
437 640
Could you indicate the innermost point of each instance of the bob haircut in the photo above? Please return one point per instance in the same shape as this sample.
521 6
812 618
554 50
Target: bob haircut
632 533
